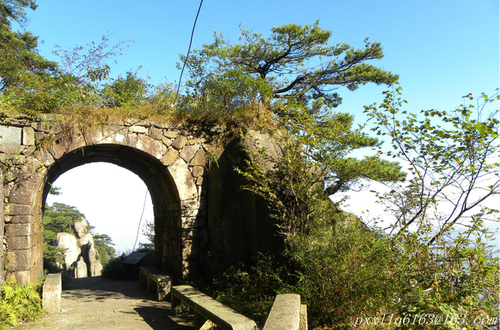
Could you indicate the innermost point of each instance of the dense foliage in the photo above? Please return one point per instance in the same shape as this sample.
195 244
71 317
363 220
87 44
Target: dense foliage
433 267
274 68
104 246
20 303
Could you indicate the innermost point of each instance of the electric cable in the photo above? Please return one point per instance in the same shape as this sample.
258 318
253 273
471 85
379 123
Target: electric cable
187 55
175 101
180 78
140 220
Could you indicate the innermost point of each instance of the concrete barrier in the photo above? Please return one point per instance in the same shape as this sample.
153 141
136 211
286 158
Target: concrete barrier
162 281
303 317
52 289
206 309
287 313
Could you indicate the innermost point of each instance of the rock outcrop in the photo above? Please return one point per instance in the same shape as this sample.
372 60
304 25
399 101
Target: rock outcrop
81 256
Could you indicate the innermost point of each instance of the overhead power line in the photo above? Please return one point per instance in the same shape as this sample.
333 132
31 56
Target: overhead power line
187 54
178 88
140 220
180 78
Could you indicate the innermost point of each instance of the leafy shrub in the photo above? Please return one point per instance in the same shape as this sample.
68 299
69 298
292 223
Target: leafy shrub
345 273
20 303
116 270
251 290
341 274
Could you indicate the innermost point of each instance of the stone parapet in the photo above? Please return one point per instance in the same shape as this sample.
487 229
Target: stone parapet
51 297
286 314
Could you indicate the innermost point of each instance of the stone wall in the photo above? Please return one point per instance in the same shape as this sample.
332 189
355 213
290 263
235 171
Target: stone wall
239 222
34 152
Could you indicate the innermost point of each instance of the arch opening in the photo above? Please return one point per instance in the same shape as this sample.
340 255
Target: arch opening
114 201
159 183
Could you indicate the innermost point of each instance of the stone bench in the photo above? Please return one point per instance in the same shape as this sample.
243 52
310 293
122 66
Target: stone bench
206 308
153 278
287 313
51 296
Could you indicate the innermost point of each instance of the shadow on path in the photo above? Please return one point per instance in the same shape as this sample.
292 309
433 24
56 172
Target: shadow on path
100 303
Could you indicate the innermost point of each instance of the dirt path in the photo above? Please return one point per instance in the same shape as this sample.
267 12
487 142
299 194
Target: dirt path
99 303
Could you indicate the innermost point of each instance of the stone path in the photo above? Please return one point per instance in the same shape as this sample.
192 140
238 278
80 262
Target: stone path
99 303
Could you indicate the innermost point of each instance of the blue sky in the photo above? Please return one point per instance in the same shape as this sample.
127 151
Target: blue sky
441 49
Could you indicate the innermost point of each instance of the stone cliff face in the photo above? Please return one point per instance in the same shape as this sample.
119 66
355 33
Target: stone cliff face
81 255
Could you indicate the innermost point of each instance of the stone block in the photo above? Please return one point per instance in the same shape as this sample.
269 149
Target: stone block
166 141
37 240
40 136
170 156
197 171
28 136
20 219
151 146
187 233
51 297
138 129
23 277
113 134
11 149
17 209
57 150
27 190
187 250
171 134
44 157
37 254
29 150
199 159
155 133
179 142
183 179
189 208
187 153
18 242
17 229
18 260
36 227
303 317
10 135
197 140
188 222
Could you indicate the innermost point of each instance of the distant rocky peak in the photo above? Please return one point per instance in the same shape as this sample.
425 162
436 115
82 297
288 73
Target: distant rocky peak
81 227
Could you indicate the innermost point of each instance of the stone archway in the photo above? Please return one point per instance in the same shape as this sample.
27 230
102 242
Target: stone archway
161 186
169 159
